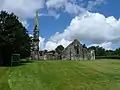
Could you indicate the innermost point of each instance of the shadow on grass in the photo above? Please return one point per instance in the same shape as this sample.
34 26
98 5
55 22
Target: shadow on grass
15 64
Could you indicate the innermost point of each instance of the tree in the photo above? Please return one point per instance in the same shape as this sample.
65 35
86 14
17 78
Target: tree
84 46
59 49
52 51
13 37
117 51
99 51
92 48
109 53
45 51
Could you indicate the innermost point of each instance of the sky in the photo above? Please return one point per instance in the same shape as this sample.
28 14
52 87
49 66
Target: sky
92 22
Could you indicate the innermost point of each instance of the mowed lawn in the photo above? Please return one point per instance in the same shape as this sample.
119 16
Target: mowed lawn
62 75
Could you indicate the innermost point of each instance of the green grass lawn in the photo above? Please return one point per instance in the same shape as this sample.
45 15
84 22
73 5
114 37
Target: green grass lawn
62 75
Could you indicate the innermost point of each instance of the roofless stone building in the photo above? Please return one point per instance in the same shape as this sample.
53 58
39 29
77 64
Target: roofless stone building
76 51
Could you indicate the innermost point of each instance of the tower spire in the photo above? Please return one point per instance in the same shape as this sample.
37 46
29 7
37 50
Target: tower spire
37 20
36 38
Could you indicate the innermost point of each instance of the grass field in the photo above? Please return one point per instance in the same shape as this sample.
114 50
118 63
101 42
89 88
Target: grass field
62 75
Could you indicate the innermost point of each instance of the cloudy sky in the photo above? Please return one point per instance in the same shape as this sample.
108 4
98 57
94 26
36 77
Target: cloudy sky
93 22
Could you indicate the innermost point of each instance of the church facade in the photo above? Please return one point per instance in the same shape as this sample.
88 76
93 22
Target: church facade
76 51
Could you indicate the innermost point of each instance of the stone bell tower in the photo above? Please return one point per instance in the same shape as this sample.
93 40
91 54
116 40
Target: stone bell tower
35 49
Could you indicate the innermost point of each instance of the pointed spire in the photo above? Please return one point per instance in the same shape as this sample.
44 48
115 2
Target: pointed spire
36 21
35 51
36 32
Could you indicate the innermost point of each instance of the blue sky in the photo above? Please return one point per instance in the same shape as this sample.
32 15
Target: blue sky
111 8
50 25
93 22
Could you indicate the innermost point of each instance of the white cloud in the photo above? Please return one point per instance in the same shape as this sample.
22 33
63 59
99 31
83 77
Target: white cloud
105 45
90 27
26 8
25 24
65 6
73 6
56 3
42 43
92 3
22 8
50 45
50 13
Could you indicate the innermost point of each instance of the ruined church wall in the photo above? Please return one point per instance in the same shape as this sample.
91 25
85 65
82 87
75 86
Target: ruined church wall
70 54
50 57
92 54
84 54
66 54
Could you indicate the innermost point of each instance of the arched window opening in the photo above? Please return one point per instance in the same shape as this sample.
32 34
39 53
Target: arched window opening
77 49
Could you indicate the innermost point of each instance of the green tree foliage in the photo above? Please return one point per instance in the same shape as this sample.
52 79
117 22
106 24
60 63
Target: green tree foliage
52 51
59 49
13 37
117 51
99 51
109 53
45 51
84 46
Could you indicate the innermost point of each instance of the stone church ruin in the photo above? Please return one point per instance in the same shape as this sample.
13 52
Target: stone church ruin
74 51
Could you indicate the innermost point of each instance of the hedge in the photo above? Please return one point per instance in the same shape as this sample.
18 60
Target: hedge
107 57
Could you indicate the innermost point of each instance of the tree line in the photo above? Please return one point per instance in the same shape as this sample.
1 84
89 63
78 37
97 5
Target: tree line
100 51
